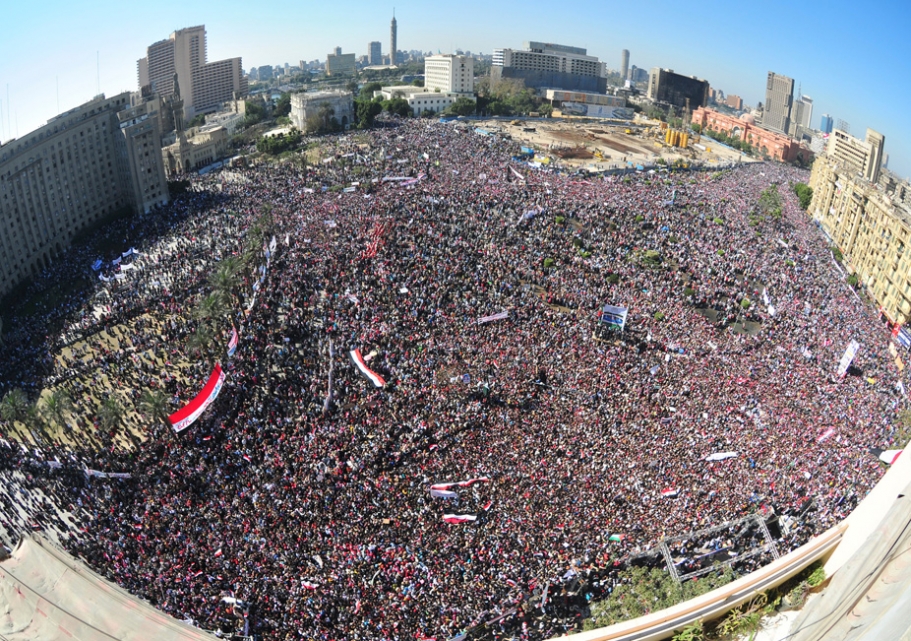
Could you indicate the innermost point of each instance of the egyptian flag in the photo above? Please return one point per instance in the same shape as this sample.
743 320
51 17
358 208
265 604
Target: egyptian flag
886 456
459 518
443 494
232 344
468 483
358 361
670 493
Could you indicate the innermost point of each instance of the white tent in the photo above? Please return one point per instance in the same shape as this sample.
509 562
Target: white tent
46 594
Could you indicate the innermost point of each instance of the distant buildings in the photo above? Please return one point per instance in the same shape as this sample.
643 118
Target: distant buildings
825 124
340 64
544 65
624 64
801 114
671 88
81 167
734 102
774 145
779 97
181 59
449 73
265 73
374 53
305 106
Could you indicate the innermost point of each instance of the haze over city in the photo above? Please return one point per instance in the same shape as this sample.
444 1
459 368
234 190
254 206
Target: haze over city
851 58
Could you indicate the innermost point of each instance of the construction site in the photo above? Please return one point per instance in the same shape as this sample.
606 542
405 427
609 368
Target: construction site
642 144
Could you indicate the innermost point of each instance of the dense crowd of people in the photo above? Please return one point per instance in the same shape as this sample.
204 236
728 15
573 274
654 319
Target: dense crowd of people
304 491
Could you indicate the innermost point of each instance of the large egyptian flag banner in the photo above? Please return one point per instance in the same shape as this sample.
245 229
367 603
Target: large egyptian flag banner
187 415
368 373
886 456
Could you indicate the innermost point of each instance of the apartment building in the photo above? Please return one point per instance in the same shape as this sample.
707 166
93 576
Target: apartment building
449 73
82 166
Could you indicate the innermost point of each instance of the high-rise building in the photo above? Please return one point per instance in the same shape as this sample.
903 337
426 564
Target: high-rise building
375 53
624 64
825 124
734 102
83 165
552 66
779 96
340 64
265 72
449 73
802 112
857 156
674 89
393 41
182 59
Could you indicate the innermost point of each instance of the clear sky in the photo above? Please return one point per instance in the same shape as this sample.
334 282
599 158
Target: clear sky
853 58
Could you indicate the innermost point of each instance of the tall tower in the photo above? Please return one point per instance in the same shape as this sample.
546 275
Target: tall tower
624 64
779 97
393 45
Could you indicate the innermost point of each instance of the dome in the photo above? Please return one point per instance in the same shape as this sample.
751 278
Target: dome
748 118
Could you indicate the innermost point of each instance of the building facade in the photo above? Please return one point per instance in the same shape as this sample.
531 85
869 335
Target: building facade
550 66
825 124
81 167
624 64
195 149
181 60
449 73
374 53
420 99
779 97
734 102
671 88
776 146
864 157
308 105
340 64
802 112
871 227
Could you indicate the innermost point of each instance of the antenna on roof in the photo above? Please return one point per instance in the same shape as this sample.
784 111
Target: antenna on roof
98 70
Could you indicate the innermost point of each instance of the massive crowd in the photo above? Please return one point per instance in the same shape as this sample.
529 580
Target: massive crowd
310 501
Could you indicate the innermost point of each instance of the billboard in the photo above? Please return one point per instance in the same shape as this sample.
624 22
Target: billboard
596 111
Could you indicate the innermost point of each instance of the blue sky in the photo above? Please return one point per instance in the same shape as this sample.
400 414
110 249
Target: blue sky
853 58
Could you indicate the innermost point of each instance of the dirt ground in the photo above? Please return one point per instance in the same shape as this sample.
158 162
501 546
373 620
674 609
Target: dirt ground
582 143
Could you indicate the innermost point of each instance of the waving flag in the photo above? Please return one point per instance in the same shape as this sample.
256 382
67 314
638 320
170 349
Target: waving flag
232 344
443 494
468 483
187 415
886 456
459 518
372 376
670 493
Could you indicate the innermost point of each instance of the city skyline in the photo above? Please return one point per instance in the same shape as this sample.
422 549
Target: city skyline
85 50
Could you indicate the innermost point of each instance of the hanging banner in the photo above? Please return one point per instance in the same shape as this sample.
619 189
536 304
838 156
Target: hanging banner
232 344
187 415
848 357
493 317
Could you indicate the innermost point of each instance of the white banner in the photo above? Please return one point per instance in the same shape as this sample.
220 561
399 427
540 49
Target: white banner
848 357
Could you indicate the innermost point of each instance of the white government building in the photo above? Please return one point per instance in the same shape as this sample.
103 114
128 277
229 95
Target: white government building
447 77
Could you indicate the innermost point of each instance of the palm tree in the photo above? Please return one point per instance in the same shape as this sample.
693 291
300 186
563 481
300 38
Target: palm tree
111 413
201 341
154 405
14 406
55 406
224 279
212 308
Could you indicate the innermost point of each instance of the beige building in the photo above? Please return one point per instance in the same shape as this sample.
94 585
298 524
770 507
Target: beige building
864 157
307 105
340 64
449 73
195 149
420 99
871 226
81 167
179 64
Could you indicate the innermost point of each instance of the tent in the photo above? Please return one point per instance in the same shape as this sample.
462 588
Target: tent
47 594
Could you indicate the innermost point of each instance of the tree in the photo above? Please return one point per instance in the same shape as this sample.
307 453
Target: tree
198 121
463 106
366 110
369 89
255 112
282 105
55 406
397 107
696 127
111 413
14 406
200 342
154 405
804 195
225 279
418 82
